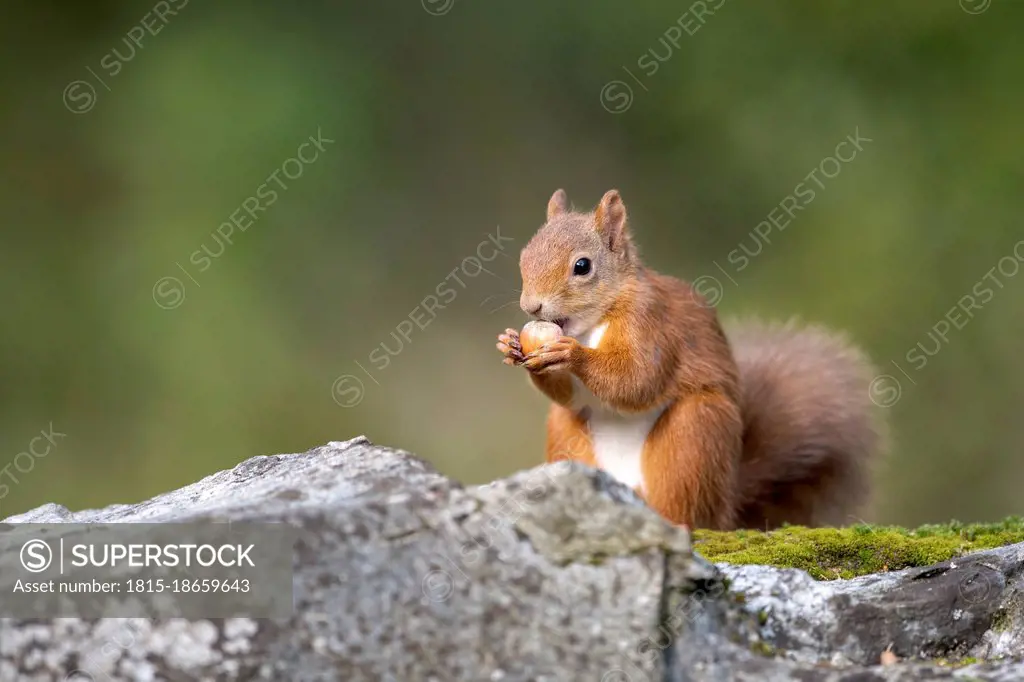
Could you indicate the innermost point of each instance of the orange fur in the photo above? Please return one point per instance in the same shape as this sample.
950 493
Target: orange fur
568 437
690 461
811 431
782 431
557 387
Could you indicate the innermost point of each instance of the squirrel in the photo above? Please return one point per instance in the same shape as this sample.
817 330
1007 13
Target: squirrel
770 425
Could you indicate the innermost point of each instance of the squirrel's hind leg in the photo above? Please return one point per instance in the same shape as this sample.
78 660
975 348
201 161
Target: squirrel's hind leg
690 461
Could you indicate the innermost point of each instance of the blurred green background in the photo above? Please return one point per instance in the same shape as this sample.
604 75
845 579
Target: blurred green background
448 120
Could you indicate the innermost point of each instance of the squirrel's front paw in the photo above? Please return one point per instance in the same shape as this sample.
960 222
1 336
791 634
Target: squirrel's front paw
510 347
556 356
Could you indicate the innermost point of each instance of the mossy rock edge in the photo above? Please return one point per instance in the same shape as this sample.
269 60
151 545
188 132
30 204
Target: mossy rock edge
830 553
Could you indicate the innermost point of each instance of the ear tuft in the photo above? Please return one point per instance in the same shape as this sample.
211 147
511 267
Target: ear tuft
557 204
610 219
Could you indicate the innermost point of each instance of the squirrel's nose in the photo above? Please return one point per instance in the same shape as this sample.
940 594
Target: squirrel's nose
530 305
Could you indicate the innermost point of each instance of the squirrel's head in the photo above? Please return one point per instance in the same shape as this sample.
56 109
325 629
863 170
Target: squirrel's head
577 264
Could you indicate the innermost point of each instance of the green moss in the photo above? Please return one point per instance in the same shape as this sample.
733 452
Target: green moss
829 553
1001 621
955 663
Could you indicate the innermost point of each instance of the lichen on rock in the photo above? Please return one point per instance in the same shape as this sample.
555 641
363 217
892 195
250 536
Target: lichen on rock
555 573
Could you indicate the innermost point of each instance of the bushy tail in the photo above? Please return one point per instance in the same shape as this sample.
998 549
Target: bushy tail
811 431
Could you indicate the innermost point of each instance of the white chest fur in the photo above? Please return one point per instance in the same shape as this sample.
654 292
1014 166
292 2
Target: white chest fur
617 438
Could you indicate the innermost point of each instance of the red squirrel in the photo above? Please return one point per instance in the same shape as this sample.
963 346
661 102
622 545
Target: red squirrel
770 425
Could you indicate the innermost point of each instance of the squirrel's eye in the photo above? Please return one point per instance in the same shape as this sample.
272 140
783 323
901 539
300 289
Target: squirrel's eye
581 267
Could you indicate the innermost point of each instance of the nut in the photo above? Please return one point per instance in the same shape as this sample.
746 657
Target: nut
536 333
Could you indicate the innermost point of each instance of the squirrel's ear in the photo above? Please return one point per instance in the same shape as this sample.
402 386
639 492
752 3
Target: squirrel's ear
610 218
558 203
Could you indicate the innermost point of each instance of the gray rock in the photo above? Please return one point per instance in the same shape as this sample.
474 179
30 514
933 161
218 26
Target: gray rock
968 607
557 573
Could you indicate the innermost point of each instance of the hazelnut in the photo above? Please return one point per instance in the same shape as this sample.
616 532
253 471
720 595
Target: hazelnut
536 333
